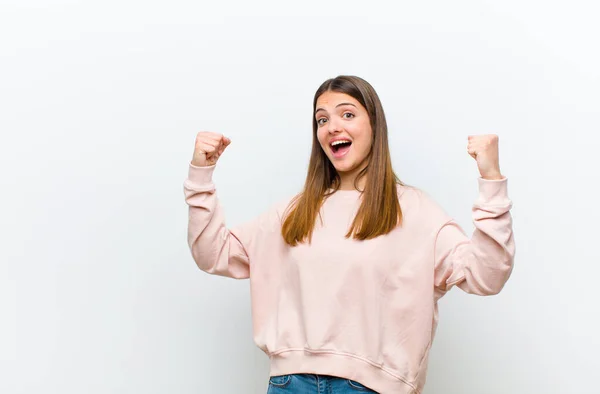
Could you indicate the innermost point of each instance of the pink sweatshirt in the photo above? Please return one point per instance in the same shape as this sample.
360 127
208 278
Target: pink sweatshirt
362 310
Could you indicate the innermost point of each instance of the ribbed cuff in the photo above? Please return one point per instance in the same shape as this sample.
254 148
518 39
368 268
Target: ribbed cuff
200 176
493 191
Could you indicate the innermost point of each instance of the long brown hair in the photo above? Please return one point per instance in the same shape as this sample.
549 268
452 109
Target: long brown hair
379 212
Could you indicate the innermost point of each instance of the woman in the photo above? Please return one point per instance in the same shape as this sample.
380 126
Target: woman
345 277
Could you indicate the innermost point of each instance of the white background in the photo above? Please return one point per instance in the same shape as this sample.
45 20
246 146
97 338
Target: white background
100 103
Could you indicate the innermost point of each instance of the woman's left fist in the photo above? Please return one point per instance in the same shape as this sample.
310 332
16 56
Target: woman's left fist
484 149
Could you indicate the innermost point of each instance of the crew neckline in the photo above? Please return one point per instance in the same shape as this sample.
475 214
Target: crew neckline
345 191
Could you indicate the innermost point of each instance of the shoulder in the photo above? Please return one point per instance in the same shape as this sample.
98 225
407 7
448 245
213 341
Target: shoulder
278 210
266 224
419 205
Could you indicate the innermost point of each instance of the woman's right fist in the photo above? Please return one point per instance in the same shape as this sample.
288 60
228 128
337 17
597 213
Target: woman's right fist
209 147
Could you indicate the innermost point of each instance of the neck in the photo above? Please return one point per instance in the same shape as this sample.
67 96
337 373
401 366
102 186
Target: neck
347 180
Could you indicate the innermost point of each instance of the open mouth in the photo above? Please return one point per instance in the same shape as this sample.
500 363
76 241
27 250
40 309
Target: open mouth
340 147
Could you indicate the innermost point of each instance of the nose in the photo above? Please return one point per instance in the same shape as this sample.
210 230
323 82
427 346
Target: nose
333 126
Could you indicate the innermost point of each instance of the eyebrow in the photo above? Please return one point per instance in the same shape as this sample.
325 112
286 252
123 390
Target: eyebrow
339 105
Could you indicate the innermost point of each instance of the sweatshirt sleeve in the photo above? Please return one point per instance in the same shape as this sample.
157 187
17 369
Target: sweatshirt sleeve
215 249
483 263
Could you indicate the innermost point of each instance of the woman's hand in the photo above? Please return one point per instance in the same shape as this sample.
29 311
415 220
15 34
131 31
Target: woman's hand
484 149
209 147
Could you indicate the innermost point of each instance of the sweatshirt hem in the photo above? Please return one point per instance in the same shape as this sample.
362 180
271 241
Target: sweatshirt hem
340 364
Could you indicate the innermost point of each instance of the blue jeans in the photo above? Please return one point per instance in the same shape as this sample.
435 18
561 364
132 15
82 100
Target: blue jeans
314 384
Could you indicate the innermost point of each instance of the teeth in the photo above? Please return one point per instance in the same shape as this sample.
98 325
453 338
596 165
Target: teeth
339 142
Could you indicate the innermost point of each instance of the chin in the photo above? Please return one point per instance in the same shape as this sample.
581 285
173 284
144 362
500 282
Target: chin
344 167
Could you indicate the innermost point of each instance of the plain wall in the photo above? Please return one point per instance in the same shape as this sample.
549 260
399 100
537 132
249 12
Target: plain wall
100 103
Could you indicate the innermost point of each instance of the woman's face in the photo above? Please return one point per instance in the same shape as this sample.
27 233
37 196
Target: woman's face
344 132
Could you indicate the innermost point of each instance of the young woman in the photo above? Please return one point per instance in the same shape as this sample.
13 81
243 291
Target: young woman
345 277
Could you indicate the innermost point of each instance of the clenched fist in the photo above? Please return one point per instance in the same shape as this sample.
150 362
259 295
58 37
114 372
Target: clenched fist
484 149
209 147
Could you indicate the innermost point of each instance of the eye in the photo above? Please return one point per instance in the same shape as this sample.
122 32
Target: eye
319 121
348 113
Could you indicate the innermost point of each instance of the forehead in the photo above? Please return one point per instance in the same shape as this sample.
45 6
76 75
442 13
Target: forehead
331 99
